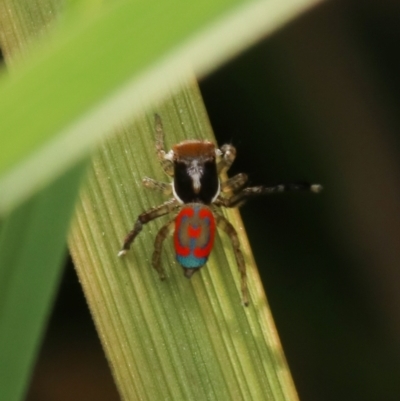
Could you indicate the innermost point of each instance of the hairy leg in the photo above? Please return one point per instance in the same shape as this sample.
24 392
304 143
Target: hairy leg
226 226
234 183
144 218
163 187
228 155
239 198
164 232
166 164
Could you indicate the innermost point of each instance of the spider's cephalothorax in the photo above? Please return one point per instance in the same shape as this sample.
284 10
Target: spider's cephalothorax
195 172
197 196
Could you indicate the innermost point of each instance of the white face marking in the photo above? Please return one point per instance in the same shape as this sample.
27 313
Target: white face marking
195 172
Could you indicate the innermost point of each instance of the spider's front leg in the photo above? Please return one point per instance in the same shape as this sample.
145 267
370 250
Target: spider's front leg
224 225
144 218
164 158
228 155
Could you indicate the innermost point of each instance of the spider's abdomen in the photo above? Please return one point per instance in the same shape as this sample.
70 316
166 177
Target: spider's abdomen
194 235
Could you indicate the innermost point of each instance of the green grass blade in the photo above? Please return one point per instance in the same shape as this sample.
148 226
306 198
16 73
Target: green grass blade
32 252
178 339
99 70
32 237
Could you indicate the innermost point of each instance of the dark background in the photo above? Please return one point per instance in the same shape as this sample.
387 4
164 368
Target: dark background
319 101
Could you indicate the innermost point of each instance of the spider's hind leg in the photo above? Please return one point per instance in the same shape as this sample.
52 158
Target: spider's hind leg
164 232
226 226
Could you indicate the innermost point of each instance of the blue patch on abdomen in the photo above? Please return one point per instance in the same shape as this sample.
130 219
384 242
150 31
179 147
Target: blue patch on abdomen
191 261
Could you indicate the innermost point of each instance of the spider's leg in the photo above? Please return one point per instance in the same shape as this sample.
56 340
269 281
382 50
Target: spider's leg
144 218
234 183
228 155
224 225
163 187
166 230
238 199
163 157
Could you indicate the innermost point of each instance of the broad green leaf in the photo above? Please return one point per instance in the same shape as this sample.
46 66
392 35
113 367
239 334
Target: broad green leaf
176 339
